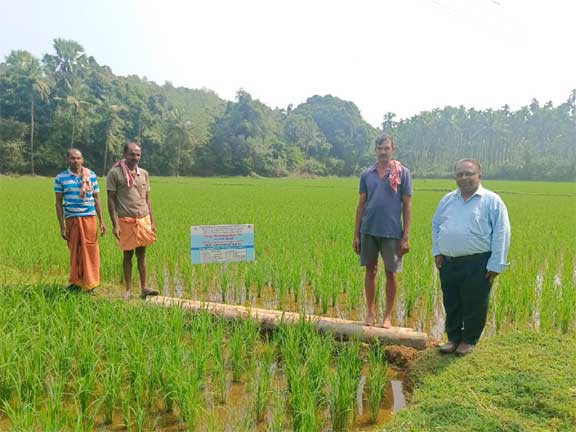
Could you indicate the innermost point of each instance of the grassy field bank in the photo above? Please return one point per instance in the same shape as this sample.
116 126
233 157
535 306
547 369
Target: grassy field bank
513 382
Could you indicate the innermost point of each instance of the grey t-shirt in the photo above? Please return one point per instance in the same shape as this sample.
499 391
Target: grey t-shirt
383 211
130 201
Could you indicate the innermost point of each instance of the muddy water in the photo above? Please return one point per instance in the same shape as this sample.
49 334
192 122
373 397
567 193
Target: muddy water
270 299
393 401
237 414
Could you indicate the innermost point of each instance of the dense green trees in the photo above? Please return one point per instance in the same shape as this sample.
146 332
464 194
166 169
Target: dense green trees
68 100
536 142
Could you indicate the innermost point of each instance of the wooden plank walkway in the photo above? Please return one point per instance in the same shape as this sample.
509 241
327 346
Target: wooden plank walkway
272 318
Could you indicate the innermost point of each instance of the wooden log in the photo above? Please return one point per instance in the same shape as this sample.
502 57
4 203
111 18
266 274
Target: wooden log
273 318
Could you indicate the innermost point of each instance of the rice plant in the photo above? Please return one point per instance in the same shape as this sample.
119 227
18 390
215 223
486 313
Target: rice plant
343 383
377 380
262 381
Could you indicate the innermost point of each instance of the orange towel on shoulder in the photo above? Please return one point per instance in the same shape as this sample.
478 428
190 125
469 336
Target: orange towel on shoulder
84 251
135 232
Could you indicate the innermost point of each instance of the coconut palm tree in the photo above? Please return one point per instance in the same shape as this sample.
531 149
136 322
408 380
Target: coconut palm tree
27 74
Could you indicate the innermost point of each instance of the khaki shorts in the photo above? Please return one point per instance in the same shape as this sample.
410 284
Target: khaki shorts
388 248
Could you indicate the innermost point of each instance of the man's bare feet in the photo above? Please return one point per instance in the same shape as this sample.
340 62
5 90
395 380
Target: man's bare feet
369 321
127 295
387 323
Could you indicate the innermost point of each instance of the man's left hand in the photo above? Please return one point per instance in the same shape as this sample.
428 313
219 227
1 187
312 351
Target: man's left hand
102 230
404 246
491 275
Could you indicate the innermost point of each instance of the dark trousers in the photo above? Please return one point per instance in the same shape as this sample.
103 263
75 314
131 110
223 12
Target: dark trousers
466 293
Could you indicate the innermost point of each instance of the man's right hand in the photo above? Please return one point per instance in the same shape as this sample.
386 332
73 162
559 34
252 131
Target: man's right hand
64 234
356 244
116 231
439 259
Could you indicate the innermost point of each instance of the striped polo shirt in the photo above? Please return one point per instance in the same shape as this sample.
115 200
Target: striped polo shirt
69 184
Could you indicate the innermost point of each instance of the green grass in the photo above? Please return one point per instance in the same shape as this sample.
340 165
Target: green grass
514 382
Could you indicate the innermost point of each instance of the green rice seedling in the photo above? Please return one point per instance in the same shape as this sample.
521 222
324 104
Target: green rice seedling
7 343
140 388
219 364
316 289
235 284
304 373
249 282
325 295
155 372
173 361
261 384
176 322
62 355
297 286
169 387
85 419
134 358
126 408
260 281
52 417
377 380
85 386
21 415
26 383
343 385
319 355
250 330
190 398
112 381
302 400
278 420
191 385
24 388
220 379
139 412
224 283
237 352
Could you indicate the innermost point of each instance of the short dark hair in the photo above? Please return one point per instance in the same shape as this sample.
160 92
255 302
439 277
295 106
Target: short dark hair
472 161
127 145
383 138
71 150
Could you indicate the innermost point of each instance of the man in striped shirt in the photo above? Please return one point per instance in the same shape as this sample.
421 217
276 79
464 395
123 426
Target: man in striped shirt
77 206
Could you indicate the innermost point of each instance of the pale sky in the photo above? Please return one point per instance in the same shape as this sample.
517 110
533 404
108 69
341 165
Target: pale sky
403 56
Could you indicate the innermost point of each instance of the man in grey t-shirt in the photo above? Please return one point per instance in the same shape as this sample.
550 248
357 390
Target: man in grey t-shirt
130 210
383 220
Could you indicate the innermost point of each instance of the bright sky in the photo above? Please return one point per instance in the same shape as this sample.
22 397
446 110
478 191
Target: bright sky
403 56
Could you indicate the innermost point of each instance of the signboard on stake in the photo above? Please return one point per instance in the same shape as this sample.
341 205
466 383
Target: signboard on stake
222 243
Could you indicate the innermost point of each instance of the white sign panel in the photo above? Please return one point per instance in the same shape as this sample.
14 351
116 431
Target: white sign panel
222 243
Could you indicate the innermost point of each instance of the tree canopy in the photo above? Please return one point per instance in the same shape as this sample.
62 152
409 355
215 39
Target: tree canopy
66 99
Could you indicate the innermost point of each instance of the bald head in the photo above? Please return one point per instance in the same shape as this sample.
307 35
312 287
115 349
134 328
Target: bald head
468 160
